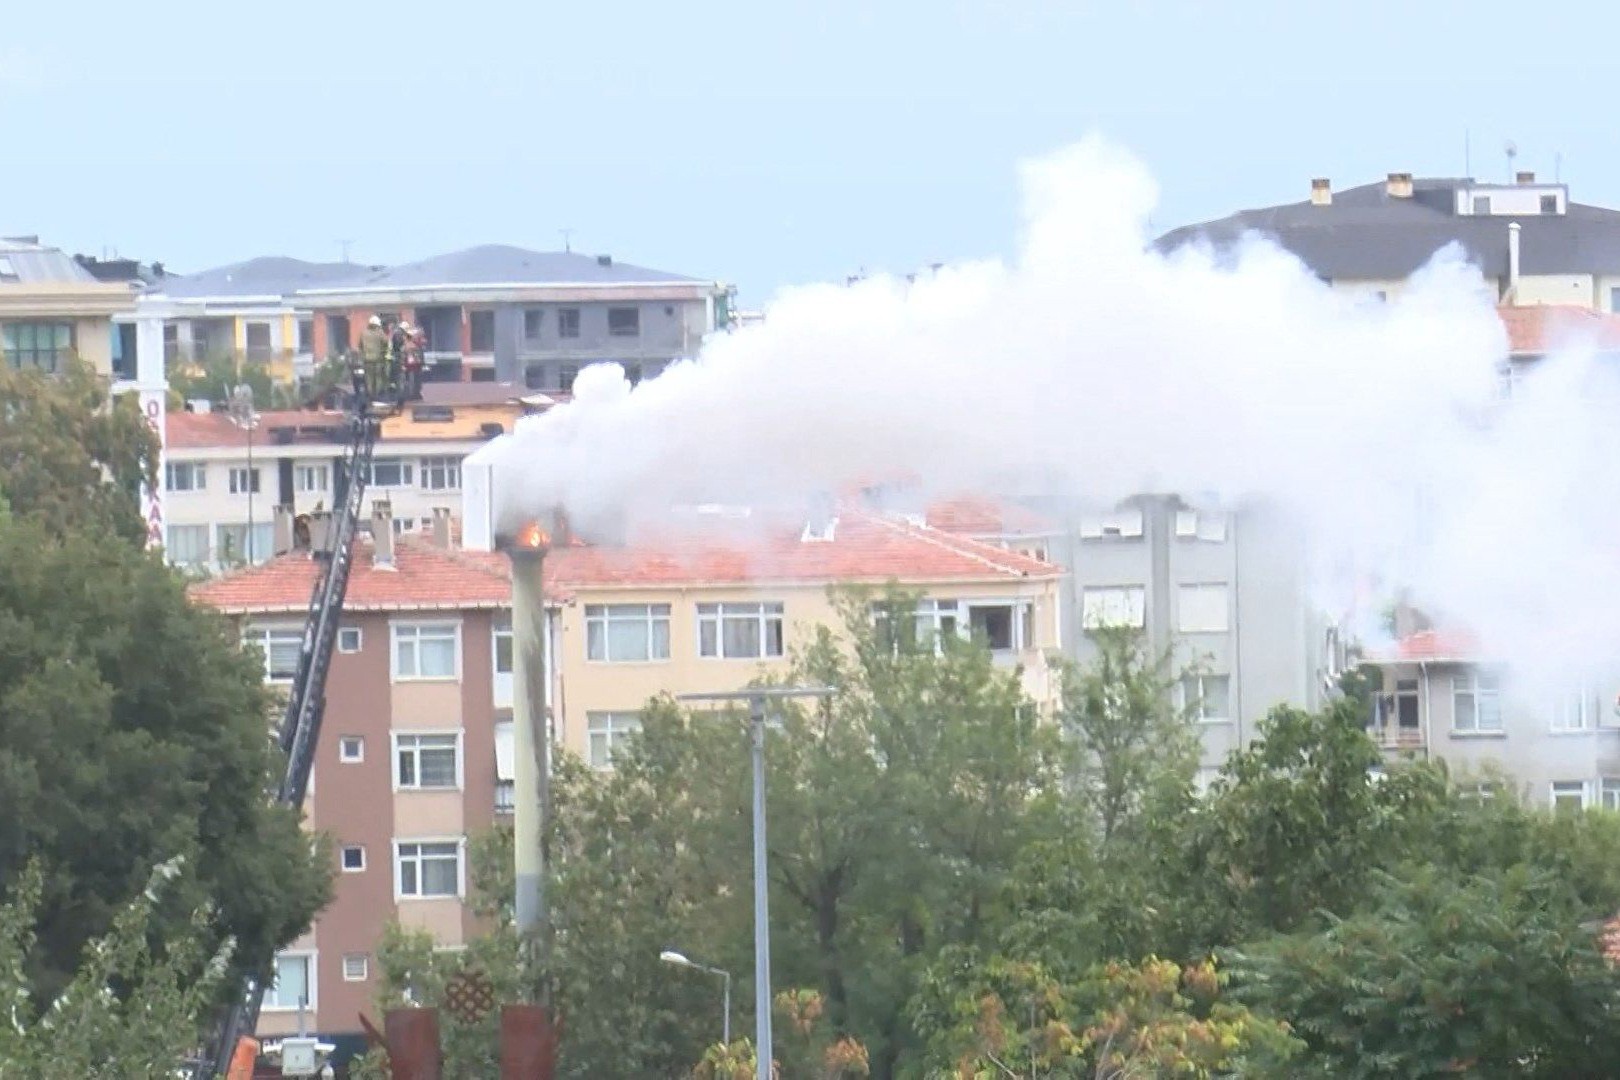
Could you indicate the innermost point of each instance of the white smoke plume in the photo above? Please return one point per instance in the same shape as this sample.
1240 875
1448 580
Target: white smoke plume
1110 369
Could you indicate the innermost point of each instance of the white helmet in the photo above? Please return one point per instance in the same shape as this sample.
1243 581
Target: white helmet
376 320
405 326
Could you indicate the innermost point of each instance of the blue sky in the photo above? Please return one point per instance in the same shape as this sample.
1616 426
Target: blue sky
761 143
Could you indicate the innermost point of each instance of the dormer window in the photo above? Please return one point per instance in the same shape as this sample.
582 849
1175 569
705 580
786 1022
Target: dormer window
1549 204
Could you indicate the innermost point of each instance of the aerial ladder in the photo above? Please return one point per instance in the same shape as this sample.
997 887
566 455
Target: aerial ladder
300 728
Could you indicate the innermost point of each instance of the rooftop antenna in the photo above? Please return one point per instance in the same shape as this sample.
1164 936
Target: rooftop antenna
567 234
1512 151
1468 155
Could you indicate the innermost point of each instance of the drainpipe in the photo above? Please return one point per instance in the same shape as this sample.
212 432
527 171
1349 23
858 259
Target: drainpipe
1423 704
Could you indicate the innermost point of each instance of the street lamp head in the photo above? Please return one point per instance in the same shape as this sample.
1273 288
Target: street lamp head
670 956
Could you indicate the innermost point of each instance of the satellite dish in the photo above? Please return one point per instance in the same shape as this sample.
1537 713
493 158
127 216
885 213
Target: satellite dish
1511 149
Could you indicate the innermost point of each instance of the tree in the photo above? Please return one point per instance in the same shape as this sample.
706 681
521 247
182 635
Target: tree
1013 1020
1489 974
133 729
129 1013
70 457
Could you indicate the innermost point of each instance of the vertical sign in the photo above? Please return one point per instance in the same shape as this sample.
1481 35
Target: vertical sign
153 404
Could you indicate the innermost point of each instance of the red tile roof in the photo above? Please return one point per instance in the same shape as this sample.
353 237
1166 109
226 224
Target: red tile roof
979 515
865 548
196 431
1537 329
1431 645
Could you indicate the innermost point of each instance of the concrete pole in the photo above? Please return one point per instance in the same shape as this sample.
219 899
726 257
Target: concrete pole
762 903
530 744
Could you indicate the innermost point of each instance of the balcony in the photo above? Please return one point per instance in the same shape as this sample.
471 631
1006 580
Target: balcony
1396 737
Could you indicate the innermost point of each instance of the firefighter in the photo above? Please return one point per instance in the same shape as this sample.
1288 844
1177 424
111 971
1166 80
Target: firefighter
415 347
399 336
373 356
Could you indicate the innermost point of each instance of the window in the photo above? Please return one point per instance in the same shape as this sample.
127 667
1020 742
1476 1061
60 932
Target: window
311 478
352 749
1568 796
337 334
1202 608
501 634
566 376
1576 711
391 472
504 797
997 625
481 331
171 344
626 632
1126 524
280 646
428 868
244 481
186 545
624 322
1476 702
348 639
426 650
239 543
258 342
1398 709
1609 793
306 335
293 983
356 967
531 323
427 761
39 346
403 525
1201 525
1549 204
607 732
353 858
441 474
1116 605
1207 698
568 322
1482 204
185 476
739 631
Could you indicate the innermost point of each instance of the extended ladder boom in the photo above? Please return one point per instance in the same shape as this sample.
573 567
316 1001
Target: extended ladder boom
306 702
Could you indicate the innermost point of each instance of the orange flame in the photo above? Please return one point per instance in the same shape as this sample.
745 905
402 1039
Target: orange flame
534 537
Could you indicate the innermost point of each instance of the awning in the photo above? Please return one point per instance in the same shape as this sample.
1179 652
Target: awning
505 756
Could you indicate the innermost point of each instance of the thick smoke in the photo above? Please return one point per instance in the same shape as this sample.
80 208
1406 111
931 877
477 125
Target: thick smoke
1108 369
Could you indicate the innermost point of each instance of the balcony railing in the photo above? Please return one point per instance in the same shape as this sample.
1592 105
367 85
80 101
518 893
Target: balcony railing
1391 737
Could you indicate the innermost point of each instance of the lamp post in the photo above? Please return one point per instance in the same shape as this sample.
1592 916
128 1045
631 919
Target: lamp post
242 412
670 956
531 741
756 698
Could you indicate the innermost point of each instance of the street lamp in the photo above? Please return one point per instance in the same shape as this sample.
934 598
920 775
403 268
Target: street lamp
756 698
670 956
241 408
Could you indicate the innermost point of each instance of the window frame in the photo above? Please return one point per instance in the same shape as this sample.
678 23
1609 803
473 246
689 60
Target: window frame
477 319
311 981
401 842
359 639
260 634
634 313
458 747
534 321
196 473
448 468
568 319
406 467
365 967
318 469
206 554
1129 592
344 757
395 632
343 862
1588 706
501 634
245 480
1553 793
607 618
619 724
47 358
1196 711
714 617
1473 690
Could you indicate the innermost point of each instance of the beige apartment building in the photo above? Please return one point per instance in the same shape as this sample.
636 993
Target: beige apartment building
224 478
415 756
52 308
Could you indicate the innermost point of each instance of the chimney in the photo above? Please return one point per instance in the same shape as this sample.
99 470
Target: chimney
1321 192
320 532
382 534
1513 263
281 530
604 260
1399 185
1524 178
440 529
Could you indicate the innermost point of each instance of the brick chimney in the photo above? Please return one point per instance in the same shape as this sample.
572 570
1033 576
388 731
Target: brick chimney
1524 178
1398 185
382 534
1321 192
439 530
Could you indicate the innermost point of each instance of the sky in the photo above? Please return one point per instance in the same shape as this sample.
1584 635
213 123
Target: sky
763 144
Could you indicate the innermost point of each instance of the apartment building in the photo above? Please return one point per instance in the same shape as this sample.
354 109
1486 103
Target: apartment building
247 310
1531 242
52 308
416 752
1439 695
224 479
505 314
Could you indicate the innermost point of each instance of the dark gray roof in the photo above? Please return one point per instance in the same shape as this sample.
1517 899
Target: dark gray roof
272 275
29 261
1367 234
500 264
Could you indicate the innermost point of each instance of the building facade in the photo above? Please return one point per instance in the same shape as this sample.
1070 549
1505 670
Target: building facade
1531 243
53 309
415 756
